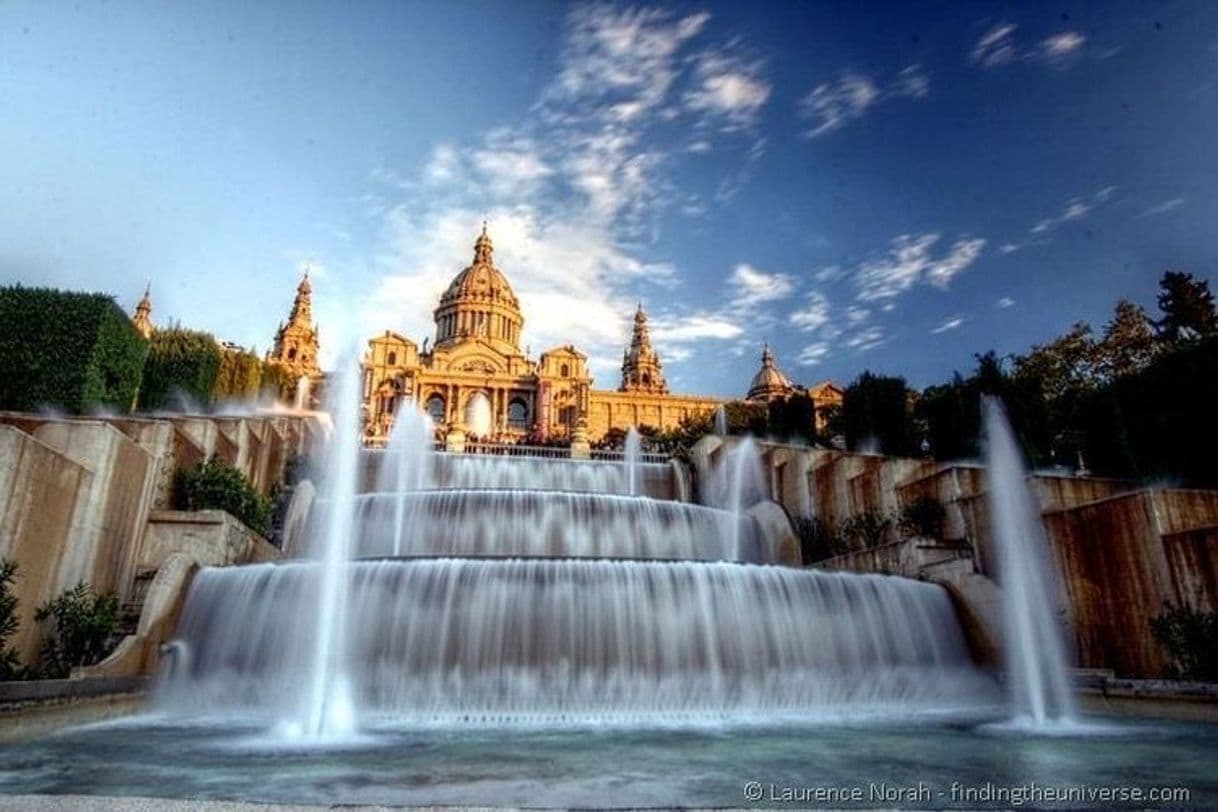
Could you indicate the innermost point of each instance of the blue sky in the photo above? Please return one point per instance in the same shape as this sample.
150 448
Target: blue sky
864 186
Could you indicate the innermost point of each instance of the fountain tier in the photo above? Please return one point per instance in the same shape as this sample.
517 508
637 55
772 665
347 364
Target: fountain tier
490 641
550 524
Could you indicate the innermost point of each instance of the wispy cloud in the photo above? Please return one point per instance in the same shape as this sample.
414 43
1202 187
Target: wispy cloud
867 339
574 190
1164 207
1004 303
813 316
910 259
950 323
999 46
728 90
832 105
1075 209
813 354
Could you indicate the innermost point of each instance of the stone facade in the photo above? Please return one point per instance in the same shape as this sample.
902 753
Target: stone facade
477 378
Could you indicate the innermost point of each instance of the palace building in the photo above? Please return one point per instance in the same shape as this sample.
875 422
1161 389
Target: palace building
475 375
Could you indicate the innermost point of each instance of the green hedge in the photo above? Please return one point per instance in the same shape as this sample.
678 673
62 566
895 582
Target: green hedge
72 351
181 364
239 375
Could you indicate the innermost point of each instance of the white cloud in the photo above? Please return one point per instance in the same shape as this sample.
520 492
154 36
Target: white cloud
698 327
813 316
909 260
1004 303
752 287
948 324
998 46
727 89
866 339
1164 207
813 354
832 105
1076 209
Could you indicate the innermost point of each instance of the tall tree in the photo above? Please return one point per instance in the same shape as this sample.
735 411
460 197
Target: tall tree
1128 344
875 410
1065 364
1188 307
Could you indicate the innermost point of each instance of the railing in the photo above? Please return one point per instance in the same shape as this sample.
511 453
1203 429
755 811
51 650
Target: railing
510 450
612 455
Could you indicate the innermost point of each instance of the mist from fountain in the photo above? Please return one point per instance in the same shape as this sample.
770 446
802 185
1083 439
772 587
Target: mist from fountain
720 421
1036 665
632 454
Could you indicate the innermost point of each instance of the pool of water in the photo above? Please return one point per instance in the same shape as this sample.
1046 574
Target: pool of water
913 764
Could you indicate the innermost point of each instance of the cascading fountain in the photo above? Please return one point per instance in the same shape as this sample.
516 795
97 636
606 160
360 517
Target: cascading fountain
455 590
720 421
1034 651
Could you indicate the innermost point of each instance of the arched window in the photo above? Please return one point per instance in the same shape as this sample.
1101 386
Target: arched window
435 408
565 371
518 413
292 354
393 358
646 379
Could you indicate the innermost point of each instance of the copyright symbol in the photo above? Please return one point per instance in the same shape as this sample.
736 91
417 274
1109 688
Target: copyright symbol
752 791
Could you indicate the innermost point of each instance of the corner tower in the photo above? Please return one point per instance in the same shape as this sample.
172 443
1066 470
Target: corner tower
296 343
479 305
641 369
142 320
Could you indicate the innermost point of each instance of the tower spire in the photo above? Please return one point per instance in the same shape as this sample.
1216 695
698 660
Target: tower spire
142 320
641 368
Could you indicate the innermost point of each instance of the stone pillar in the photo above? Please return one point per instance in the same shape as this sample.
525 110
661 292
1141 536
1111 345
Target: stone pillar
581 449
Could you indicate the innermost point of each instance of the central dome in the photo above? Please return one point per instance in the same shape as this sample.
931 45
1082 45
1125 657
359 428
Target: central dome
479 304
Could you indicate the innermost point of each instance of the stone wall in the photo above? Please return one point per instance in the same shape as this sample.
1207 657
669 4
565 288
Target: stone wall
611 409
82 499
1121 553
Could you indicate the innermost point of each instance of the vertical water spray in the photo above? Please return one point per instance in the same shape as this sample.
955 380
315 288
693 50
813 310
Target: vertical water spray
303 388
632 453
329 713
410 453
1035 653
720 421
744 481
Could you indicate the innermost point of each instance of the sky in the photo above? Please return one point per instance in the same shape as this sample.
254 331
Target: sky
894 187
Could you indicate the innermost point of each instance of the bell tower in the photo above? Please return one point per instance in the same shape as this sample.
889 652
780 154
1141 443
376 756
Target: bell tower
641 369
296 343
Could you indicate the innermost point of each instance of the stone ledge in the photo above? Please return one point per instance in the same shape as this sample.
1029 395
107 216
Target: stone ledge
51 689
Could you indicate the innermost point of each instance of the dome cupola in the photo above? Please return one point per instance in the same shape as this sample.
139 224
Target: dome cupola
479 304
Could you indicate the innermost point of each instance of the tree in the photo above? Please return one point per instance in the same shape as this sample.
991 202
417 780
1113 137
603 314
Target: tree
1128 344
1063 365
84 626
1187 306
874 410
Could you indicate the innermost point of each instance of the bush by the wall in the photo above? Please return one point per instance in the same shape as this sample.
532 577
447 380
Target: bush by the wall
72 351
181 364
8 619
84 627
924 518
216 485
1191 638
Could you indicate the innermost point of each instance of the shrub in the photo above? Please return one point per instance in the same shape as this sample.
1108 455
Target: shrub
84 626
8 620
1191 638
866 529
875 409
817 541
181 363
216 485
73 351
278 383
923 517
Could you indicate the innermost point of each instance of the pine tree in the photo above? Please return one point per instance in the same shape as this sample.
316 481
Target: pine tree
1188 307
